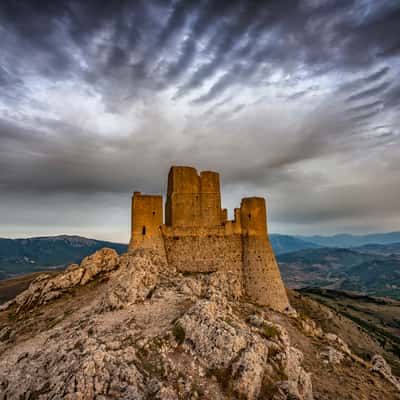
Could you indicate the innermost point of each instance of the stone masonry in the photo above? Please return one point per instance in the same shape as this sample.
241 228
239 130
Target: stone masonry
198 238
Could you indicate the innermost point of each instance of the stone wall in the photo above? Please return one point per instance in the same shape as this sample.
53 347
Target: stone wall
206 253
147 219
192 199
197 237
262 279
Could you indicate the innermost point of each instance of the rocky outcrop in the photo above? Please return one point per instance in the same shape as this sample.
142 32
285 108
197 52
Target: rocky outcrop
245 353
153 333
47 287
380 365
135 279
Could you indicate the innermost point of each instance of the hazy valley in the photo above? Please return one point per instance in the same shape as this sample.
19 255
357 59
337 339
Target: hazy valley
372 268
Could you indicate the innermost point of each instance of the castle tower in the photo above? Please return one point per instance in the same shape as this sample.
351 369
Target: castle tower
262 279
197 236
193 200
146 221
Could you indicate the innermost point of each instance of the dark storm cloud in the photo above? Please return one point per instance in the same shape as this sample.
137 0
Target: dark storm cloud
206 54
125 42
360 83
59 157
365 107
373 91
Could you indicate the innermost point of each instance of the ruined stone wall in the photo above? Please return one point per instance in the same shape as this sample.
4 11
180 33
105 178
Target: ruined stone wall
147 218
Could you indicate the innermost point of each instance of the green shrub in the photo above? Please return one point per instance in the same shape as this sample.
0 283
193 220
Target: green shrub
179 333
269 331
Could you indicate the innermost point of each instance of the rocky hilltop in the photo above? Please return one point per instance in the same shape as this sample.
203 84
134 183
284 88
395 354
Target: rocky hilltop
129 327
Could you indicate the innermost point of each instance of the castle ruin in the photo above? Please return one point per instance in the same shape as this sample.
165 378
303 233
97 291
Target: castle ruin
198 237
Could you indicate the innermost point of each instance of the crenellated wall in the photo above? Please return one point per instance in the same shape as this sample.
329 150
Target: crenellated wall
197 236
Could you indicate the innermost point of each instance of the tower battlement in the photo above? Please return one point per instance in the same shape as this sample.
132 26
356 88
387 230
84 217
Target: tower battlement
198 237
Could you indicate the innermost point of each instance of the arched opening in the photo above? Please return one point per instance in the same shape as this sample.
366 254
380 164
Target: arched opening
144 230
249 216
154 213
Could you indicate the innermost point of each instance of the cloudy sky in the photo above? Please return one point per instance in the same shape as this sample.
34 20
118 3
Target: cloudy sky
297 101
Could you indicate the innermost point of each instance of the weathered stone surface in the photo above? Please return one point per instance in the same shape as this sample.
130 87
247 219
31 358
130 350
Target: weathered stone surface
222 342
332 356
197 237
380 365
47 287
136 277
101 261
152 333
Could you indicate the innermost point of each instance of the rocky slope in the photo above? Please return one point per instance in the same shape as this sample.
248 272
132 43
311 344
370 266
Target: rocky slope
22 256
129 327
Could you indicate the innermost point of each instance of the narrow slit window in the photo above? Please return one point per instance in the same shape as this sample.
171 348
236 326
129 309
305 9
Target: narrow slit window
144 230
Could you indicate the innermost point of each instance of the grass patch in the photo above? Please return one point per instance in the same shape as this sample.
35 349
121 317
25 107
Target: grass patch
224 378
179 333
12 317
197 390
269 331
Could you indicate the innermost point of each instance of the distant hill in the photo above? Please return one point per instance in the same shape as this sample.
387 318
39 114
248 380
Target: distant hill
380 277
346 240
21 256
286 244
382 249
372 269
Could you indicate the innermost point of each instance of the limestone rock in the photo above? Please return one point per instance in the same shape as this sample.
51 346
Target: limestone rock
47 287
152 333
249 370
338 342
332 356
133 281
226 283
380 365
232 349
299 381
101 261
213 339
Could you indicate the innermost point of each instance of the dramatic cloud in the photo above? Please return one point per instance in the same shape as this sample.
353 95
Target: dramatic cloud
295 100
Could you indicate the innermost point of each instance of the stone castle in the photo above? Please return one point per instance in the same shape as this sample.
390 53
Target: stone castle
197 236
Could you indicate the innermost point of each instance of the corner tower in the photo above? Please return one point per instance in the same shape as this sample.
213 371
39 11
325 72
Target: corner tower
146 221
262 279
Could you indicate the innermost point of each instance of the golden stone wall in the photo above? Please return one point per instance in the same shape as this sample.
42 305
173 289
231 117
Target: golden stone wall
197 236
147 219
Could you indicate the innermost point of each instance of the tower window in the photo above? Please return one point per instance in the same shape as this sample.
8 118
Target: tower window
144 230
154 213
249 216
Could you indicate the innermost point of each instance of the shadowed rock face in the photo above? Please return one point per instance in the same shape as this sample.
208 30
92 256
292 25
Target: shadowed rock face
197 237
143 330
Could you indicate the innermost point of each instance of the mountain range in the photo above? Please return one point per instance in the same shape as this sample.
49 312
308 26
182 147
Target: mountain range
348 240
306 261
